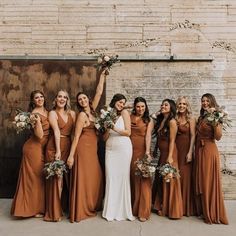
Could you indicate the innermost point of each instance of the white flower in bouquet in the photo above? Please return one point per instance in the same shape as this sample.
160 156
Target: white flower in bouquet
106 58
105 61
168 172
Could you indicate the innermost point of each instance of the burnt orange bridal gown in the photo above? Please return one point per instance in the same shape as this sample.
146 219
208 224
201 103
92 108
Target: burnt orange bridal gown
208 179
183 143
167 198
141 188
86 178
57 189
29 198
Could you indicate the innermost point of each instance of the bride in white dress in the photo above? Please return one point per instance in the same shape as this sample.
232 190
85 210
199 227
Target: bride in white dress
117 203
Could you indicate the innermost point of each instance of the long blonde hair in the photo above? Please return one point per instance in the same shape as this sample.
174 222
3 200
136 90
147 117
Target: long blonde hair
67 106
188 108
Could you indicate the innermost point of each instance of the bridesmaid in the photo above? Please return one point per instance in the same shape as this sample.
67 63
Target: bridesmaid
62 120
167 198
141 188
207 163
86 179
29 197
185 143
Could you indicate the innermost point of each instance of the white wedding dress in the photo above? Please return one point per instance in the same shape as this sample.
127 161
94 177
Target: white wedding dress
117 202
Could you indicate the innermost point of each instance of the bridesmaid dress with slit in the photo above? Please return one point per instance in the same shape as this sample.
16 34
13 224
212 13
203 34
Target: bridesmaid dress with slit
57 189
86 177
29 199
141 188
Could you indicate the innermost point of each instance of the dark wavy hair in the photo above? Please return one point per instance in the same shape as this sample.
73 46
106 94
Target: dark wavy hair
117 97
212 101
80 108
145 117
160 117
31 103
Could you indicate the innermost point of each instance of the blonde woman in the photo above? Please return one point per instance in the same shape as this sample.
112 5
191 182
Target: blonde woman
61 120
185 145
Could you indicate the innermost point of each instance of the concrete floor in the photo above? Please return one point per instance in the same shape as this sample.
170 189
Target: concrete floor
156 226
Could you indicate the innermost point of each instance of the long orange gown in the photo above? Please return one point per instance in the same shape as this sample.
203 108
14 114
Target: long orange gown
57 189
167 198
86 178
183 143
29 198
141 188
210 201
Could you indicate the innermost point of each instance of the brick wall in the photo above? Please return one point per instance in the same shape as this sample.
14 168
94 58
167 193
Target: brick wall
188 30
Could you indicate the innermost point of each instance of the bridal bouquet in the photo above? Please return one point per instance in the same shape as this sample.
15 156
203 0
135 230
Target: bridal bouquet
106 119
145 168
105 61
24 120
54 168
218 116
168 172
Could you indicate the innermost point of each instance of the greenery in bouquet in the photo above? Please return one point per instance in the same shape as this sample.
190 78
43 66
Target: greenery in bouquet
106 119
218 116
54 168
23 120
146 168
105 61
167 171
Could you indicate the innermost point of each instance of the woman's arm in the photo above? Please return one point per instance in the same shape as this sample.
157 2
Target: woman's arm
38 129
148 137
173 132
192 124
217 131
80 122
127 122
99 90
53 121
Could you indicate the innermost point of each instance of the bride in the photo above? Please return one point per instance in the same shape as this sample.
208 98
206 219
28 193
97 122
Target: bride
117 203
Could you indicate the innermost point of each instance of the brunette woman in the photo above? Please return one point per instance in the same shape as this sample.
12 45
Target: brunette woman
167 197
62 120
29 197
86 179
141 188
210 201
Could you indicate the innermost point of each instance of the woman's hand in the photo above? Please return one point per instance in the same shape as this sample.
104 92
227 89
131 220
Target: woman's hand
170 160
58 155
188 158
70 161
149 157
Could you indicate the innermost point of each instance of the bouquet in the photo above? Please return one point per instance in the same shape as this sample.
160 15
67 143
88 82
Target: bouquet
24 120
105 61
145 168
53 168
218 116
106 119
168 172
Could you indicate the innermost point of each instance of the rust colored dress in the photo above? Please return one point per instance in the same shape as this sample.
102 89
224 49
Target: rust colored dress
208 180
141 188
57 189
29 198
86 178
167 198
183 143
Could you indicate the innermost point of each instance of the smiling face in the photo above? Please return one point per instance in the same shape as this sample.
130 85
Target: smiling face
165 107
38 100
205 102
83 100
182 106
119 105
140 108
61 99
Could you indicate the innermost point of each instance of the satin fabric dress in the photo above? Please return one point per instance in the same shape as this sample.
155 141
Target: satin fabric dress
29 199
183 143
167 198
208 189
57 189
117 202
141 188
86 179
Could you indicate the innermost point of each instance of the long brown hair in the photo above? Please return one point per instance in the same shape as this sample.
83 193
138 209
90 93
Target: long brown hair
32 105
